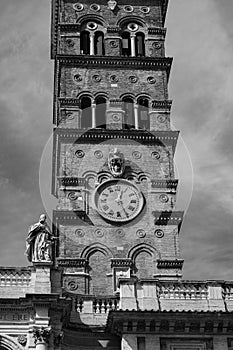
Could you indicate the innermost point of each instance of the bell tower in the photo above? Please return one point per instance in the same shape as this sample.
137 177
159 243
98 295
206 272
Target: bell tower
113 169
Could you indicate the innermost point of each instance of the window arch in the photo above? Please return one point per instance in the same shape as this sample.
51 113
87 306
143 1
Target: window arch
143 113
100 112
140 44
129 117
99 43
85 42
125 44
86 116
92 38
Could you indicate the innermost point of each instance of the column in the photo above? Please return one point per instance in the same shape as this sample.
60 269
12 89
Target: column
132 40
93 119
136 116
92 50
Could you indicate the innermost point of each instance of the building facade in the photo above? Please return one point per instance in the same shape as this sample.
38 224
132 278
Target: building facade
108 274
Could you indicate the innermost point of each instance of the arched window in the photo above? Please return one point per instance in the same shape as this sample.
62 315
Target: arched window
86 118
144 264
100 112
99 44
125 44
85 42
129 112
140 44
143 115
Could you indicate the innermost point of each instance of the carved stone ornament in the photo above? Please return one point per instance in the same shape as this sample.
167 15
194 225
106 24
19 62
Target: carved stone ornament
155 155
96 78
151 80
70 43
140 233
72 196
41 335
114 79
116 163
159 233
99 232
80 233
162 118
112 4
163 198
113 43
133 79
98 154
72 285
136 154
156 45
120 232
77 78
79 153
22 339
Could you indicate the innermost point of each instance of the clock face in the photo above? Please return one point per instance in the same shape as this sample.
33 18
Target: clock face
118 200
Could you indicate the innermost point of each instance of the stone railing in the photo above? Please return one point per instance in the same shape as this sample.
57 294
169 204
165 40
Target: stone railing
182 291
92 304
173 295
15 277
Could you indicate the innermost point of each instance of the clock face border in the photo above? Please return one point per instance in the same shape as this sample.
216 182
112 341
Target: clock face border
113 182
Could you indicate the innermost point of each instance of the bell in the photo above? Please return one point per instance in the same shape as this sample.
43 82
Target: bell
112 4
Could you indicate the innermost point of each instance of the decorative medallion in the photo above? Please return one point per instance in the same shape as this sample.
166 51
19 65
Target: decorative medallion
96 78
113 43
114 79
92 25
70 43
128 8
22 340
72 196
115 118
159 233
77 78
120 232
155 155
98 154
136 154
112 4
140 233
163 198
79 153
162 118
133 27
156 45
145 9
151 80
79 232
72 285
69 116
95 7
99 233
78 6
133 79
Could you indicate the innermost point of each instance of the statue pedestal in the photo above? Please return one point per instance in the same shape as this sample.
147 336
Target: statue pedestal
41 345
43 277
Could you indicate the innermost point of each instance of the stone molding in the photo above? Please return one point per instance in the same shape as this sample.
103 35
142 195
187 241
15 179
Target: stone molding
168 217
170 184
79 262
157 31
72 181
119 62
169 264
121 262
165 104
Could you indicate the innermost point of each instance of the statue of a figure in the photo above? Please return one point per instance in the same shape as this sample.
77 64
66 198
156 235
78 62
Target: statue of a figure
39 241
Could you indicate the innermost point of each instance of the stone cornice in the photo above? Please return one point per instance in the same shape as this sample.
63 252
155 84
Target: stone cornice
161 63
164 104
71 181
121 262
157 30
68 262
171 184
69 27
168 217
70 217
64 102
170 322
170 264
95 136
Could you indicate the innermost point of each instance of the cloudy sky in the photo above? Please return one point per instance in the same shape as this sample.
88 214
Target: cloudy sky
200 38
